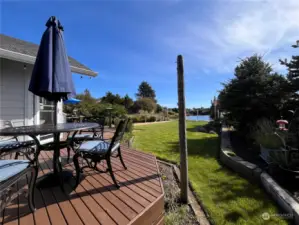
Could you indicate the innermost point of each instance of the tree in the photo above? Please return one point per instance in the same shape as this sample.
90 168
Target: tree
176 110
118 110
145 104
293 78
146 91
86 97
91 107
293 70
127 102
112 99
255 92
159 108
86 105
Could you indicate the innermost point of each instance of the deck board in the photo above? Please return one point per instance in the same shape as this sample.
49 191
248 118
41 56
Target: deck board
132 170
96 200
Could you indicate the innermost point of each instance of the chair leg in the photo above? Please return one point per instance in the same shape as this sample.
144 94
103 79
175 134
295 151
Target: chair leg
17 155
33 178
111 172
121 158
3 213
78 172
68 153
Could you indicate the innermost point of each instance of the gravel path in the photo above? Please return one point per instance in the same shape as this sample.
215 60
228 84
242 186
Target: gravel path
140 124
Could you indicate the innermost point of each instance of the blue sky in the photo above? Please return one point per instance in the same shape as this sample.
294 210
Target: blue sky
131 41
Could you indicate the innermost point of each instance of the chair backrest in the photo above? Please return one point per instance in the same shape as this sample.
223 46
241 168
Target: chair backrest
17 123
119 133
101 121
4 124
99 131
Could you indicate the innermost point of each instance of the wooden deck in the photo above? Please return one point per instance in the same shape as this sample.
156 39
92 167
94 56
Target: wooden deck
140 199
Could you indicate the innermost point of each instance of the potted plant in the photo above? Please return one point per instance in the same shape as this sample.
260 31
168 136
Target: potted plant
279 148
268 138
287 160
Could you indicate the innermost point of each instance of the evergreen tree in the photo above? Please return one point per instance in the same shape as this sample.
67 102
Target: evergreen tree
146 91
127 102
293 75
86 97
112 99
159 108
255 92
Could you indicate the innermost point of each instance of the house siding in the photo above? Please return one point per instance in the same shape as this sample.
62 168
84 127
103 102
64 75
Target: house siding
12 82
16 102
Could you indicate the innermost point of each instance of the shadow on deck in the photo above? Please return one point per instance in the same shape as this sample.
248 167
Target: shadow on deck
140 199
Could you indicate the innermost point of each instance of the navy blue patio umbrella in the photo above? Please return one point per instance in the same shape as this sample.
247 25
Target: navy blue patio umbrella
51 76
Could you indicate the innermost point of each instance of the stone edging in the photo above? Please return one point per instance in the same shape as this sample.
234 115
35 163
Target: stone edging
253 173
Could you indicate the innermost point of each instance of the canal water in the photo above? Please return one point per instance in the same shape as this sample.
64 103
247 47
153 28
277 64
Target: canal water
199 118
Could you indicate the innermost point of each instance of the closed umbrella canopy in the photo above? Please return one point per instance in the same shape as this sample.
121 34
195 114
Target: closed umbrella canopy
51 76
72 101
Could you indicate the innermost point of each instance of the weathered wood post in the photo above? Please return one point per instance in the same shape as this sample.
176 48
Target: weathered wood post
182 130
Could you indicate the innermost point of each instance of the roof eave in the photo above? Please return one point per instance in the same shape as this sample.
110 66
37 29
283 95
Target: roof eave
16 56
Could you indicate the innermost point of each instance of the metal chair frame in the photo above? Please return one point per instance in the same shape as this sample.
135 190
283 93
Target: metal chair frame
93 159
8 188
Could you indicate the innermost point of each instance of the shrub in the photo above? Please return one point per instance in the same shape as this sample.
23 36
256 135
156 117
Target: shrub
135 119
145 104
118 110
152 119
130 126
142 119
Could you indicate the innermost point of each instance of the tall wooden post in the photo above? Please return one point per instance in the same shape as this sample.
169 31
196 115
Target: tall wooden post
182 130
215 108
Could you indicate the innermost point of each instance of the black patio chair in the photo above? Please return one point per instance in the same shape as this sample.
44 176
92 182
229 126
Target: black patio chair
85 135
13 171
95 151
11 144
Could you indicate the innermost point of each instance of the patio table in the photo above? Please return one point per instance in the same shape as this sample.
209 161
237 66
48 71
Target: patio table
58 175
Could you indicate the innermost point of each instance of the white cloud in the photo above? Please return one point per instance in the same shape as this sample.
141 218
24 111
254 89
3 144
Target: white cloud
236 29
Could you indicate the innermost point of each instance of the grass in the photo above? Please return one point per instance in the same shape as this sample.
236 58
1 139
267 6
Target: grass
228 198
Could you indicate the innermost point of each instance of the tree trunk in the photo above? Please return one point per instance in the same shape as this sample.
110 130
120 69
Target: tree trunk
182 131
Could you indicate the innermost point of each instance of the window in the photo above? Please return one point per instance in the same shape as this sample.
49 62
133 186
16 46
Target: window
47 111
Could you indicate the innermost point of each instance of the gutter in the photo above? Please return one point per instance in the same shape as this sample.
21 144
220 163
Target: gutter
31 60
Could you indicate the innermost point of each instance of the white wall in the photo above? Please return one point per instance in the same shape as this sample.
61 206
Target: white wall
16 102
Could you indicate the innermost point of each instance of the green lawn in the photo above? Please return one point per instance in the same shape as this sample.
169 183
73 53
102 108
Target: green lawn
228 198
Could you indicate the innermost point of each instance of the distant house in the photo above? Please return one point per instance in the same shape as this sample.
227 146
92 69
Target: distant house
215 108
17 58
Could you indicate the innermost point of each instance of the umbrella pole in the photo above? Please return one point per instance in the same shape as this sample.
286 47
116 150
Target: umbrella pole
55 112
